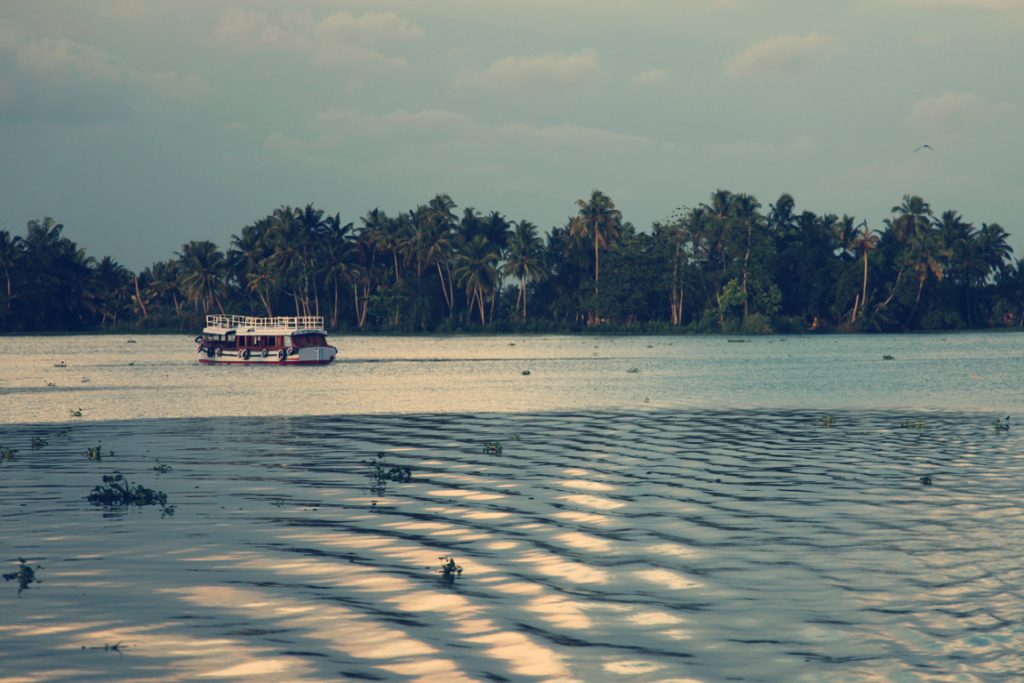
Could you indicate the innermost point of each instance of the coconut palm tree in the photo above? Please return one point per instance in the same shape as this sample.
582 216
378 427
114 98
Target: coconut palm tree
912 216
477 271
339 250
597 219
525 260
201 271
10 252
864 242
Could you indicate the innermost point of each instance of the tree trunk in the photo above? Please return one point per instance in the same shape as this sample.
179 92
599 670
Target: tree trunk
138 296
864 288
480 302
746 268
448 298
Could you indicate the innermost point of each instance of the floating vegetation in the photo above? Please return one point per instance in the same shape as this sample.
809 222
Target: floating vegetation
1002 424
7 454
107 647
38 442
926 480
633 371
25 575
493 448
736 341
826 420
382 473
912 424
162 467
116 492
888 357
516 437
449 570
96 452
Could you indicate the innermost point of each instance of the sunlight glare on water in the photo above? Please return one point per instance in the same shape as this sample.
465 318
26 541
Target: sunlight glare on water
108 378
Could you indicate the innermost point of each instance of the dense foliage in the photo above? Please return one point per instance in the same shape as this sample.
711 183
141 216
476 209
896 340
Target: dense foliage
726 266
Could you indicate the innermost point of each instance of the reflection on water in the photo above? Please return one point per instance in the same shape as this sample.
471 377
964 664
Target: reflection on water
159 376
605 545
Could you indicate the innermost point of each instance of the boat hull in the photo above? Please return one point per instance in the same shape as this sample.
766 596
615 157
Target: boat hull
318 355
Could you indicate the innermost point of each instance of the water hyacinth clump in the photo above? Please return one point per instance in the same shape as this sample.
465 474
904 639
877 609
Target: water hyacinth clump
117 492
381 473
95 452
25 575
449 570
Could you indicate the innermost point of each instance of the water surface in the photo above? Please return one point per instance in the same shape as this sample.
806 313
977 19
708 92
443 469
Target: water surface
659 509
108 378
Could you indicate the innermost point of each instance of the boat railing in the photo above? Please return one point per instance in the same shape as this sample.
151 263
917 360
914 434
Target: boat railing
302 322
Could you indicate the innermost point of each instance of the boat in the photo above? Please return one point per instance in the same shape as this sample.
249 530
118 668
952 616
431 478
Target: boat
247 340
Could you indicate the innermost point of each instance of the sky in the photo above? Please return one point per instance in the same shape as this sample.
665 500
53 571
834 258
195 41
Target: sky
143 124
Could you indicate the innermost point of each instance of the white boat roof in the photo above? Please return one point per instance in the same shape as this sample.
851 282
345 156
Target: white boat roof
246 324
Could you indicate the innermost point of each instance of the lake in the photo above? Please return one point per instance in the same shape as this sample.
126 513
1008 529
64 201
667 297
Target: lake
633 509
108 378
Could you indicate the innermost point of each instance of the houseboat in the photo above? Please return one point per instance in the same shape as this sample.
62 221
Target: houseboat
276 341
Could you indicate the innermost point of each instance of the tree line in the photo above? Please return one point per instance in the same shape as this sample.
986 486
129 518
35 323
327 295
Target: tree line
727 265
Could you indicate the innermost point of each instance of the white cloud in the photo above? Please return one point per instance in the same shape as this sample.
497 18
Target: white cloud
652 77
979 4
779 55
572 69
958 108
63 58
338 39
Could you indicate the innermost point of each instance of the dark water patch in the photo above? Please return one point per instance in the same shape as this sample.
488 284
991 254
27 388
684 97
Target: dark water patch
757 545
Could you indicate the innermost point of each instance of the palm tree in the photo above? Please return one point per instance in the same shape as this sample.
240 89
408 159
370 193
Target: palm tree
10 252
525 254
477 271
110 288
162 279
340 254
201 274
864 241
248 261
913 216
597 218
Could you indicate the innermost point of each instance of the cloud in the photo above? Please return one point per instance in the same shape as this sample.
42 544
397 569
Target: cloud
652 77
958 108
565 70
66 59
338 39
779 55
432 135
978 4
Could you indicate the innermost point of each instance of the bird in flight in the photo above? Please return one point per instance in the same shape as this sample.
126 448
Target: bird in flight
920 147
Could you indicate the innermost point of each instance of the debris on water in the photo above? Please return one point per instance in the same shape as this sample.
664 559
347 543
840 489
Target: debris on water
25 575
926 480
1002 424
449 569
